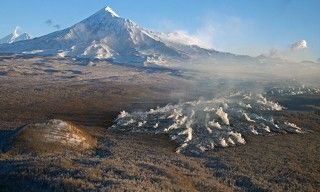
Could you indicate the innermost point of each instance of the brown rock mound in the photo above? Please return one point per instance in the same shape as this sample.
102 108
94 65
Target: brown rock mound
53 136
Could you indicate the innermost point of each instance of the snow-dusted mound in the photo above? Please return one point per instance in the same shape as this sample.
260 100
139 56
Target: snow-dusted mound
15 37
203 125
106 35
53 135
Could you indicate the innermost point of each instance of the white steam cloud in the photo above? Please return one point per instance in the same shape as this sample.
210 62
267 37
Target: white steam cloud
17 30
202 36
299 45
184 37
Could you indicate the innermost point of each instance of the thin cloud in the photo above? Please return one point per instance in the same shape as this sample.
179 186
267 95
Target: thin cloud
274 53
205 34
209 33
57 26
49 22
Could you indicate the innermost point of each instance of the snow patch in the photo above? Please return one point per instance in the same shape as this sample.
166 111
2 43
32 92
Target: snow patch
114 14
33 52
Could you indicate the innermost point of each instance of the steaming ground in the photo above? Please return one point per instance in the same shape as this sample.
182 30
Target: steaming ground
203 125
76 104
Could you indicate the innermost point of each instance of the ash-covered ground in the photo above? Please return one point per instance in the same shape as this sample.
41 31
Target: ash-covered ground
68 125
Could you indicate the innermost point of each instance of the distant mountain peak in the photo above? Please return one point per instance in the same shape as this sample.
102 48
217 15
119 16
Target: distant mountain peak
111 12
15 36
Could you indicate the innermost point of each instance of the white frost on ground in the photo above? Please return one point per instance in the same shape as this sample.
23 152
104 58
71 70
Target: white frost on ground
206 124
294 90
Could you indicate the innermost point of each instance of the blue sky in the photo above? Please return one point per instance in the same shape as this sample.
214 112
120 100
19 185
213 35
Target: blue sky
242 26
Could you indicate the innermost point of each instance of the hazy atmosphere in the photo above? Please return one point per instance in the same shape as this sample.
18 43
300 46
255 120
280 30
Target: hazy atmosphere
160 96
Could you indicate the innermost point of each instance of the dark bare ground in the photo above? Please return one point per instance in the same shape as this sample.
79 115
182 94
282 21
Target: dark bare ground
144 162
120 162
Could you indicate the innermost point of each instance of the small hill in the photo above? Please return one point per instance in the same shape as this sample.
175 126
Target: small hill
51 137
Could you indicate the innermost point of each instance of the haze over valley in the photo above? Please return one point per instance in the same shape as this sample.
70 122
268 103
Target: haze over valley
108 105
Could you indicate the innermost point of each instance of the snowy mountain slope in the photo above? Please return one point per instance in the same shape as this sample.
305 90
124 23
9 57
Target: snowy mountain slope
22 37
105 35
15 37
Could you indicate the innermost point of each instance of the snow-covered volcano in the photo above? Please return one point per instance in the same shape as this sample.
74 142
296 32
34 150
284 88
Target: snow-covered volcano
105 35
15 37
